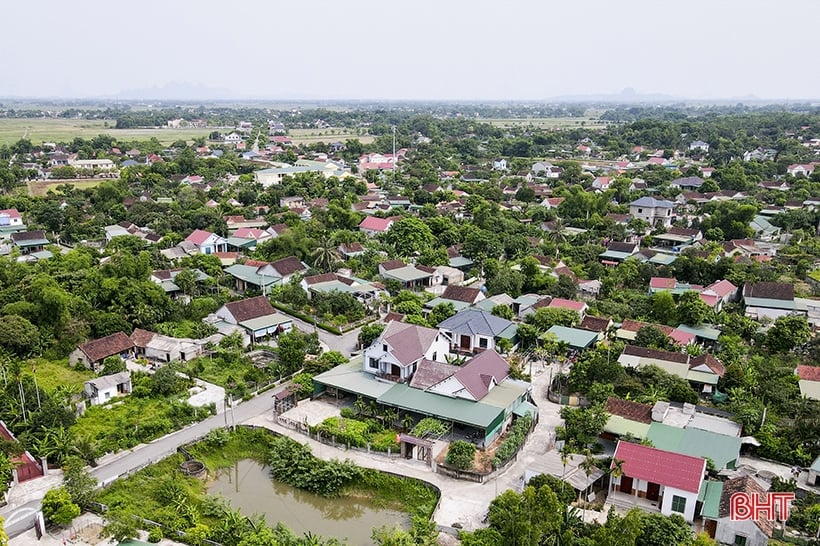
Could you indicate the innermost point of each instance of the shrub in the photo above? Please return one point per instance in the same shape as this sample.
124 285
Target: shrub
515 439
346 431
155 534
348 413
461 455
383 440
58 508
430 427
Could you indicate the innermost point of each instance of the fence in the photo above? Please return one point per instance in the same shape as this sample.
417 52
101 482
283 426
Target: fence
304 428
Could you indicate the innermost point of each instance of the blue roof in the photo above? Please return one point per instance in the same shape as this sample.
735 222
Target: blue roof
475 321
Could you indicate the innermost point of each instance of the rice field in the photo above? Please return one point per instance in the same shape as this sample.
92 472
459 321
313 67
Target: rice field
39 130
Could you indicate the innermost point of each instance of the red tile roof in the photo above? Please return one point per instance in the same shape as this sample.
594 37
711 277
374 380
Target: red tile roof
809 373
373 223
662 283
198 236
478 374
711 362
250 308
461 293
288 266
656 354
660 466
562 303
748 485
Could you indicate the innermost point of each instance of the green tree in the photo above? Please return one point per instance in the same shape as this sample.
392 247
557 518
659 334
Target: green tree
660 530
788 332
113 364
440 312
652 337
410 236
120 525
369 333
18 335
58 508
663 308
291 350
547 317
503 311
582 425
691 309
461 454
187 281
81 486
4 538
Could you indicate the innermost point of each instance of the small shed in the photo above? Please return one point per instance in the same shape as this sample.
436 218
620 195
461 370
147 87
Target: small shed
283 401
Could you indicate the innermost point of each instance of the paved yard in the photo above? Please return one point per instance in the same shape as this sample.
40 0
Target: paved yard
312 411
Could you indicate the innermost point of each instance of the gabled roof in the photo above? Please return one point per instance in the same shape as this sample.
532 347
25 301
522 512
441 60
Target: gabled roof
662 283
617 246
392 264
250 308
430 372
141 338
104 347
722 288
460 293
573 305
288 266
769 290
634 411
748 485
475 321
661 467
409 342
481 371
595 324
198 236
655 354
709 361
374 223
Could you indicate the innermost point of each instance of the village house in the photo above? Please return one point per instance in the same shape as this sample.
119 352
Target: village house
657 480
159 348
373 225
30 242
460 297
410 276
92 353
256 316
809 381
656 212
769 300
702 371
725 529
364 291
102 389
207 242
253 275
399 350
472 331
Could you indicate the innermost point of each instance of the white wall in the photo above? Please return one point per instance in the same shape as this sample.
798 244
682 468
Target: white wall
666 504
727 529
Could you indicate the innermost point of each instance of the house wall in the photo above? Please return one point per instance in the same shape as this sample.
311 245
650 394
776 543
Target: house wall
452 387
652 215
225 315
809 389
727 529
666 502
101 396
78 357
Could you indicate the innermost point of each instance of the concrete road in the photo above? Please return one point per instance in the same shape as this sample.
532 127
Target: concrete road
345 343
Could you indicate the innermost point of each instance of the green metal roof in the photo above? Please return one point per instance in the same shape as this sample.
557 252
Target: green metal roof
505 393
509 332
708 378
474 414
526 408
768 303
248 274
457 305
722 449
612 254
662 259
407 273
460 261
622 426
351 378
709 495
573 336
703 331
486 305
815 465
241 242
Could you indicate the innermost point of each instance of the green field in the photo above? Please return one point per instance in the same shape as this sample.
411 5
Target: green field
53 373
547 123
331 134
41 130
39 189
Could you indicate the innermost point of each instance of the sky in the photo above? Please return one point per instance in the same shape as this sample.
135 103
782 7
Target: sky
411 50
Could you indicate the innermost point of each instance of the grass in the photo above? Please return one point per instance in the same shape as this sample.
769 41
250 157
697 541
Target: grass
219 371
40 130
53 373
331 134
39 189
815 275
132 420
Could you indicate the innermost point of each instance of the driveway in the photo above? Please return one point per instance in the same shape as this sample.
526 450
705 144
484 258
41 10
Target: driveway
346 343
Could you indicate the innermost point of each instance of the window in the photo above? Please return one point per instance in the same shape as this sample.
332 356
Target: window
740 540
640 211
384 347
678 504
435 354
482 342
374 363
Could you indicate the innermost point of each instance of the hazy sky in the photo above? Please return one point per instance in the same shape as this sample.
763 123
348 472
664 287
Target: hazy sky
415 49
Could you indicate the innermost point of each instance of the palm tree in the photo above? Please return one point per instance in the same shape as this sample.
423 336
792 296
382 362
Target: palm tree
588 464
615 472
564 460
325 256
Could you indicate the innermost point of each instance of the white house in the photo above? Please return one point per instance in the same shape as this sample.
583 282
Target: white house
657 480
475 379
656 212
207 242
102 389
474 330
10 217
399 350
256 316
499 164
699 145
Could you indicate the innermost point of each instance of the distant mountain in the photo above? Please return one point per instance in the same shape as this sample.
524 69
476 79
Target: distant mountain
177 91
627 96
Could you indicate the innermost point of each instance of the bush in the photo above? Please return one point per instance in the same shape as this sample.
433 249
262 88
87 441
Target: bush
155 534
303 385
381 441
293 464
515 439
346 431
430 426
58 508
461 455
348 413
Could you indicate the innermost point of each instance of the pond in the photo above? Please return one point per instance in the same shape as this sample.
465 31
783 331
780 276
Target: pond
250 489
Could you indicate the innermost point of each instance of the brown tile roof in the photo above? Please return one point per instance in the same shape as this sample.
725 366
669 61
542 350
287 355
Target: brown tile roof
426 269
288 266
478 374
140 337
408 341
711 362
316 279
634 411
104 347
769 290
391 316
461 293
431 373
250 308
655 354
28 235
595 324
617 246
684 232
391 264
745 484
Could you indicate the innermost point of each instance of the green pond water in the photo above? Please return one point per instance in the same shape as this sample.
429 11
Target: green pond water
250 489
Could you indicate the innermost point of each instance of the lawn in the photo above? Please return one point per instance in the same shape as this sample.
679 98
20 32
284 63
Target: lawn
40 130
331 134
39 189
53 373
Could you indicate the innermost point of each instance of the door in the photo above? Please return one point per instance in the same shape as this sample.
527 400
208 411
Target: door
395 370
465 342
653 491
626 485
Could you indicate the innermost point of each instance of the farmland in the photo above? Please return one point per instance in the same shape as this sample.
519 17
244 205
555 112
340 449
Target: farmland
40 130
